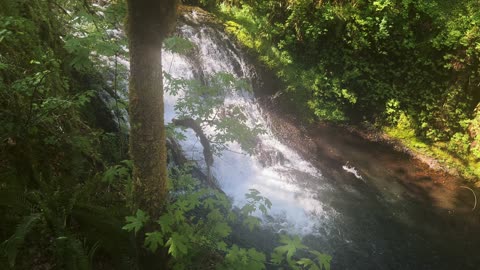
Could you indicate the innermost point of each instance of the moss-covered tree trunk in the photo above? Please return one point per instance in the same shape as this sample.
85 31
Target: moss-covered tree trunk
148 23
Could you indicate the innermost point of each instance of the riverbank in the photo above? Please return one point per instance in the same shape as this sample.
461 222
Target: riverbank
396 212
374 155
446 152
435 159
432 155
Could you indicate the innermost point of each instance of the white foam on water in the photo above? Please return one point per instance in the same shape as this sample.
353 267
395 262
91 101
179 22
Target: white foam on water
353 171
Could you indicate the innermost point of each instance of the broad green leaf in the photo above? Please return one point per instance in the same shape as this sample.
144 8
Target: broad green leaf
233 254
268 203
222 246
256 256
231 217
178 216
166 222
308 264
222 229
291 245
209 203
215 215
324 259
251 222
135 223
276 257
248 209
253 194
178 245
263 209
153 240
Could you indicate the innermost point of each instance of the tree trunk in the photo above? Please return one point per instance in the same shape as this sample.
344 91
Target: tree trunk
148 23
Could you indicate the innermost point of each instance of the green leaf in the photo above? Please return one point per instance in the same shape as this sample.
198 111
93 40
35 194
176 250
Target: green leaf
222 200
209 203
268 203
324 259
215 215
256 256
263 209
116 172
178 215
276 257
248 209
178 45
233 254
222 229
241 258
153 240
254 195
135 223
291 246
308 264
251 222
232 217
178 245
222 246
166 222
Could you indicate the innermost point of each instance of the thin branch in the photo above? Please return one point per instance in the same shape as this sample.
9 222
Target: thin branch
474 195
30 110
89 10
61 8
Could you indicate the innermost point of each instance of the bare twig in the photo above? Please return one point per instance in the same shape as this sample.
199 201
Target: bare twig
474 195
34 92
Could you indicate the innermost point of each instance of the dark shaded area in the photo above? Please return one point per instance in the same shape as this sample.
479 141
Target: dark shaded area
404 215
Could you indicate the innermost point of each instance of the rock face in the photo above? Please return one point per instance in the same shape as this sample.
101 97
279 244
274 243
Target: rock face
268 156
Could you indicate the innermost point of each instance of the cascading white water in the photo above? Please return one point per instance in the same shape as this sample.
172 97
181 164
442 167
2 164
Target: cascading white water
279 179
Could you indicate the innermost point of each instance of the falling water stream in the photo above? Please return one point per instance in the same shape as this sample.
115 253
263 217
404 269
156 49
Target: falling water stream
351 209
237 171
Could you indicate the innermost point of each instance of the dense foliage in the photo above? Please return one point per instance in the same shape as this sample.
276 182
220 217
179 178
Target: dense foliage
57 136
198 222
65 178
410 66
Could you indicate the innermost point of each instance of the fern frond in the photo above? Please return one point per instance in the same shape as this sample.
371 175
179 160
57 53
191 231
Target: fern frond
11 246
99 224
71 253
11 191
92 251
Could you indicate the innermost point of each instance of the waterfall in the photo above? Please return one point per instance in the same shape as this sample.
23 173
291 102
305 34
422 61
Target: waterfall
276 170
362 211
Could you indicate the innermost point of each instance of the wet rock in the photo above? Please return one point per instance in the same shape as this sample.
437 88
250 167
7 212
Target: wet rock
269 157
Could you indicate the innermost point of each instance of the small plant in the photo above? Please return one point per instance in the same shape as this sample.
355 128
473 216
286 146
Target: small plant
459 144
197 222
